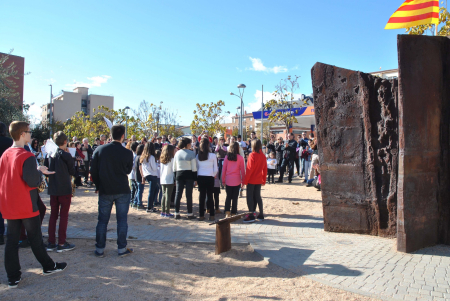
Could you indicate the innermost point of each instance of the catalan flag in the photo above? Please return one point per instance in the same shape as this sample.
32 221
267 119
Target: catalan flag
414 12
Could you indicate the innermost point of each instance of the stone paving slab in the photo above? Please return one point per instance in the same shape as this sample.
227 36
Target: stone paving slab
363 264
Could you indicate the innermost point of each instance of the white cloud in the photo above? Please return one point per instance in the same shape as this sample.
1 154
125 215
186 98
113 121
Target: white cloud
96 81
256 104
227 118
35 113
257 65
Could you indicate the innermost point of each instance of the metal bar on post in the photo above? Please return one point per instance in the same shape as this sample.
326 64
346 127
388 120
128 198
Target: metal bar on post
262 111
240 122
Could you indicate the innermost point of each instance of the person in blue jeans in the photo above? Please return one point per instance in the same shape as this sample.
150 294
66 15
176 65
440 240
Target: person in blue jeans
2 230
137 202
111 164
149 171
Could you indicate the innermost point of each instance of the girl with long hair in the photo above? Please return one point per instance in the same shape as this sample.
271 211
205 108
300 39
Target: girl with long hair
140 186
149 170
233 174
35 147
167 178
185 167
255 176
206 171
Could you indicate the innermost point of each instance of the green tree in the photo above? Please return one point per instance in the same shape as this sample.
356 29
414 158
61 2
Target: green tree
154 118
235 132
42 131
207 117
282 105
444 21
266 131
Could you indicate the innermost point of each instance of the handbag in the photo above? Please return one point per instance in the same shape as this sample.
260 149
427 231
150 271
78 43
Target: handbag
81 168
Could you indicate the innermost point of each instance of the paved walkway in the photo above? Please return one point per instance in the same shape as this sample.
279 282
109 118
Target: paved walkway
362 264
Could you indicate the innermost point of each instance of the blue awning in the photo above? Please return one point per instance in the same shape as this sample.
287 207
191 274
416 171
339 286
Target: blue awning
294 111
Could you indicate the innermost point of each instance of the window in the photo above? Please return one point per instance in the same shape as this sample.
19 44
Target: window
251 119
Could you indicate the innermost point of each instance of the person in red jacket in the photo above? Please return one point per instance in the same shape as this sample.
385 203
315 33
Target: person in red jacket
19 178
255 176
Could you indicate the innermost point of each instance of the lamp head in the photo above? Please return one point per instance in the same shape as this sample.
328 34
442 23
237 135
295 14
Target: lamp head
241 86
127 108
231 93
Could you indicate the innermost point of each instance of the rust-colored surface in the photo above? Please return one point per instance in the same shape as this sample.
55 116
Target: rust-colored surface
357 130
19 62
424 101
223 237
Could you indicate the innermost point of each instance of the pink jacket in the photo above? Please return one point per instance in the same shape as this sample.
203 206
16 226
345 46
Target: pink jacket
233 172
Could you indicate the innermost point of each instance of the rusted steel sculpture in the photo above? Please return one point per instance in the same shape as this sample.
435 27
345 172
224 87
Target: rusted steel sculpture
357 131
424 103
373 132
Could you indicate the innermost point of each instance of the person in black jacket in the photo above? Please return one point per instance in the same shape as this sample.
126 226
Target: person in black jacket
5 143
279 153
87 152
289 151
111 164
60 191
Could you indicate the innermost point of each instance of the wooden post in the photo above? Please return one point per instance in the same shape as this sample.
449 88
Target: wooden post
223 237
223 233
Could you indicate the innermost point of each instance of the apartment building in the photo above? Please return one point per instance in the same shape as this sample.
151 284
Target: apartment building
247 121
67 103
386 74
19 63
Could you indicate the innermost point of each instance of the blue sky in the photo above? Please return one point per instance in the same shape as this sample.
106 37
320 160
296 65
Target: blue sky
184 52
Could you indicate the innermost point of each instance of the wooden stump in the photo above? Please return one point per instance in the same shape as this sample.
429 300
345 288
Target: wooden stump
223 233
223 237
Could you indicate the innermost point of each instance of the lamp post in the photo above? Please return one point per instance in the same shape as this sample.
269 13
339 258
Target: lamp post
51 110
241 95
262 112
126 122
239 118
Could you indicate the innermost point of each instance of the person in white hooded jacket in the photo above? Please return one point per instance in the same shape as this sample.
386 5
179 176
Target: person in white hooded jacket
185 168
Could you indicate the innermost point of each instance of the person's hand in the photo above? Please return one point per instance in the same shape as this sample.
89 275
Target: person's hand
242 185
45 171
195 183
96 191
286 145
143 182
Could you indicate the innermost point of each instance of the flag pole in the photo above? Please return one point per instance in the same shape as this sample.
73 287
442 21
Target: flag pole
435 29
262 111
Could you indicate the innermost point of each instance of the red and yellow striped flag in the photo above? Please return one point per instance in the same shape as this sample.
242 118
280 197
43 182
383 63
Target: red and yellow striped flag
414 12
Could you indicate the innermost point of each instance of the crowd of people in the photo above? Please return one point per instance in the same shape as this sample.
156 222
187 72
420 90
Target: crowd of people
119 168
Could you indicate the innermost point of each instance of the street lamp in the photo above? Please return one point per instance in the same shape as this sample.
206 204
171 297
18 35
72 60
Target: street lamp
126 122
241 95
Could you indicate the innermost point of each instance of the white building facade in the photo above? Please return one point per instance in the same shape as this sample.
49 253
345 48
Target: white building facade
66 104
